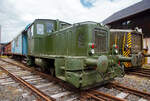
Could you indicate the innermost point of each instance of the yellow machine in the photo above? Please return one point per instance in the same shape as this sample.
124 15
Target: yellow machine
129 44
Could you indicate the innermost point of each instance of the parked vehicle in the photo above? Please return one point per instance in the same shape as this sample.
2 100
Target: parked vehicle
128 43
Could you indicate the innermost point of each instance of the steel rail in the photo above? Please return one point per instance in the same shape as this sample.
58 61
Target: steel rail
26 84
98 96
130 90
140 74
145 69
144 72
106 95
139 69
49 77
91 94
95 97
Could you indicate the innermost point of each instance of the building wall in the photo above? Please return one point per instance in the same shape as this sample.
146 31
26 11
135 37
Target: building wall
146 42
0 33
141 20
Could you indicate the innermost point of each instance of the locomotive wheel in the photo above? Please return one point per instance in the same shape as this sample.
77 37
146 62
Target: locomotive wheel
134 60
140 59
30 61
52 71
122 69
42 69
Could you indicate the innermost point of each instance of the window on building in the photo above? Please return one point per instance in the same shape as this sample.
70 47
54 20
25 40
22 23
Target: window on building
124 23
49 27
128 22
40 29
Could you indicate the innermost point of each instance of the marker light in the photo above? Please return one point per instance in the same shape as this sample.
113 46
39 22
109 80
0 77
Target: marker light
116 51
116 46
92 45
92 51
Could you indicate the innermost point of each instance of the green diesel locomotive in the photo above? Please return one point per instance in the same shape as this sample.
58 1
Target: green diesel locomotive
76 53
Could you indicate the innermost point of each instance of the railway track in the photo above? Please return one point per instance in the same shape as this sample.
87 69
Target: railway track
53 89
47 89
9 85
140 72
122 94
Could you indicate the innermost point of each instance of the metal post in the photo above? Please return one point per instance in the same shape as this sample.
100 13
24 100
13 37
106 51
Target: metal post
0 33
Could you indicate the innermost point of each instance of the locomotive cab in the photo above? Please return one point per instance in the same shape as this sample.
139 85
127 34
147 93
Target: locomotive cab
38 31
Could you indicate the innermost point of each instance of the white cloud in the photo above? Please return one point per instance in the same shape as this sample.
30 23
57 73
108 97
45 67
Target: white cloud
19 13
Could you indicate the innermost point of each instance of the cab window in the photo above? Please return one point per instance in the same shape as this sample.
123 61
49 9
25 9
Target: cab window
49 27
29 32
32 30
40 29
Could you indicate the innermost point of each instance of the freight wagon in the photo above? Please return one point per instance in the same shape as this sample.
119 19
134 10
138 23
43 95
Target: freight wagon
7 49
128 43
2 48
19 45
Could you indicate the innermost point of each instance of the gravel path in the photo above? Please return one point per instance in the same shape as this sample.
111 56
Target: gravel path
139 83
131 81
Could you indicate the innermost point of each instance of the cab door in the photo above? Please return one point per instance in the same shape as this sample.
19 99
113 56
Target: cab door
30 40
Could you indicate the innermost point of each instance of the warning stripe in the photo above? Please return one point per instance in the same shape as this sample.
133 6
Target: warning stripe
127 52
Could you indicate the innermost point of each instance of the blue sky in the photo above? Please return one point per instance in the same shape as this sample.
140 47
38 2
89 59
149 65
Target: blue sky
16 14
90 3
87 3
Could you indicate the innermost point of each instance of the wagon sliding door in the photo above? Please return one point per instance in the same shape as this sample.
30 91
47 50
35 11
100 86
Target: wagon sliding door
24 44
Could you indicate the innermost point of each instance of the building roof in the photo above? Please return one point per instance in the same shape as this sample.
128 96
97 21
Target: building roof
129 11
4 43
